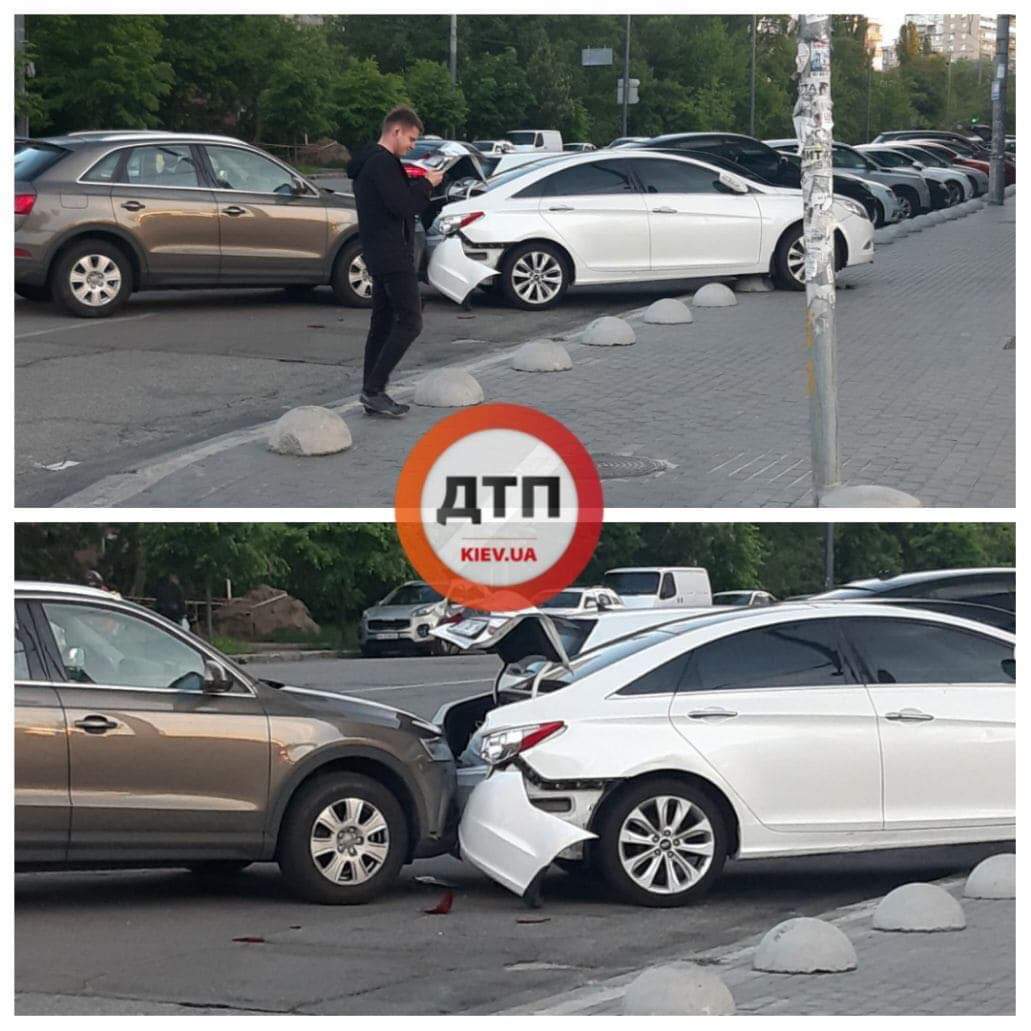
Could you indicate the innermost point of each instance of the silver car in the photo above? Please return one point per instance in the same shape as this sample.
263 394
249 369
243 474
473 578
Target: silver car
402 621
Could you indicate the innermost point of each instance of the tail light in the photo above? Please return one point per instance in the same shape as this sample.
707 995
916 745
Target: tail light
415 171
23 203
503 745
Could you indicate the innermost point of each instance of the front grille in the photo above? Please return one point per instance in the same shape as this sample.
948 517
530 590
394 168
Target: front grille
388 624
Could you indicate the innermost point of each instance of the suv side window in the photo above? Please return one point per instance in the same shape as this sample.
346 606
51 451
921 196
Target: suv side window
668 588
21 659
239 169
806 653
664 679
675 177
104 170
911 651
105 646
595 178
169 165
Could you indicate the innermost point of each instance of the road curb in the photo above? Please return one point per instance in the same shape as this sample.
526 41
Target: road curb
288 655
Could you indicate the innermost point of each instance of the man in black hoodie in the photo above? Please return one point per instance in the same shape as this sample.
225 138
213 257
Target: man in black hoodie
388 203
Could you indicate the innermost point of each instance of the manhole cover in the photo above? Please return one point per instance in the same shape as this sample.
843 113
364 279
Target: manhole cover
621 467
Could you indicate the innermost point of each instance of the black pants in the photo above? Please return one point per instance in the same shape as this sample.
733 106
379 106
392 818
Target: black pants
396 322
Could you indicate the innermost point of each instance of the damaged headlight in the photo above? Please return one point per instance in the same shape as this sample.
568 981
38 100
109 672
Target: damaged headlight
503 745
445 225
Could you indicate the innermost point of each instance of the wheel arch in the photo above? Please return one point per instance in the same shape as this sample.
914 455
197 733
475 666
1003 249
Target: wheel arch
349 235
369 762
122 240
717 794
561 248
841 251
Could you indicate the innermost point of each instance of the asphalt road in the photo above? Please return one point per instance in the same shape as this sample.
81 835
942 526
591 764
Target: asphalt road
177 367
162 941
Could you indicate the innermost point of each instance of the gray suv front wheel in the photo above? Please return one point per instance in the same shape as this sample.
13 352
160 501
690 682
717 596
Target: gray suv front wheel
92 279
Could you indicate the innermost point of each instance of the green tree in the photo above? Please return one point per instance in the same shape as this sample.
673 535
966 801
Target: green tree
99 71
497 93
363 96
908 47
298 101
440 104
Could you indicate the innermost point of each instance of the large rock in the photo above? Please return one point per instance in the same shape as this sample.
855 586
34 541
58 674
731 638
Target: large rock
668 312
919 907
753 285
678 990
993 878
805 945
542 356
608 331
714 295
261 612
448 388
309 430
868 496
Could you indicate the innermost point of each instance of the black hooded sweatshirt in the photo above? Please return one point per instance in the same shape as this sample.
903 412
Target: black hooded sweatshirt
388 202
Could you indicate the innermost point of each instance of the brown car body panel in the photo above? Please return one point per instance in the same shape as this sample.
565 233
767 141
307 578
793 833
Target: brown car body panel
120 775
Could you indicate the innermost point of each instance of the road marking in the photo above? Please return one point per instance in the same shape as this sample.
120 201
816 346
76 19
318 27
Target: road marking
85 324
120 487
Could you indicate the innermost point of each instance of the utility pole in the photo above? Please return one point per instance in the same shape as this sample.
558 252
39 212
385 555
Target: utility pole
997 174
828 556
454 49
751 102
814 123
626 74
948 94
21 122
869 97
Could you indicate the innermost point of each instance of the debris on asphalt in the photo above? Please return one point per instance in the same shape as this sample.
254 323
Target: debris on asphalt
249 940
315 325
532 919
434 881
443 907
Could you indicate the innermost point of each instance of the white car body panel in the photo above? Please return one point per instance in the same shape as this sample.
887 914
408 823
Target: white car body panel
587 225
453 274
509 839
704 230
801 767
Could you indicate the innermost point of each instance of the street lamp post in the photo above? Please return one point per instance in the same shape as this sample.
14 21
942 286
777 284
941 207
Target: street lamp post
814 123
751 102
997 168
626 74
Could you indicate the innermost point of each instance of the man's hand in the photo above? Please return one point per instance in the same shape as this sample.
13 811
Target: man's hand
434 178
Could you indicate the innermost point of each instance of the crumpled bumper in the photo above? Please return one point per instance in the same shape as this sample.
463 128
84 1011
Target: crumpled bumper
506 837
454 274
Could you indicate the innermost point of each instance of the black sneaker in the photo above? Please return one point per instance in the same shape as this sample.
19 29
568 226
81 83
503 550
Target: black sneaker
382 404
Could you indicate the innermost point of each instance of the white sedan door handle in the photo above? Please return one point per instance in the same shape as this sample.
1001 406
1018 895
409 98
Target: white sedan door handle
711 714
664 211
562 207
909 716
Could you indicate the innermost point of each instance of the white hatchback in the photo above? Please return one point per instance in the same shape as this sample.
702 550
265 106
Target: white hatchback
751 733
625 216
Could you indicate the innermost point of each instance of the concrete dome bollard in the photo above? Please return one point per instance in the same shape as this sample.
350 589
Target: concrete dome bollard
678 990
805 945
919 907
868 495
714 295
902 229
993 878
753 285
668 312
309 430
935 218
448 388
608 331
542 356
884 236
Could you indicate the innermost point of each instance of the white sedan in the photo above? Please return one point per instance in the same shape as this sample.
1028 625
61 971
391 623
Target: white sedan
626 216
797 729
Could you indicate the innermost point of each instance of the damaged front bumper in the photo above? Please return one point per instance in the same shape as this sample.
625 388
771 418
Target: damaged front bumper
507 837
455 274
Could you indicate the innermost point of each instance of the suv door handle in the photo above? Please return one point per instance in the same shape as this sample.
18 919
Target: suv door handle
562 207
133 205
234 211
711 714
96 724
909 716
664 211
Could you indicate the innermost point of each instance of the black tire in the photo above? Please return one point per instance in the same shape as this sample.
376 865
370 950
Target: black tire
955 193
218 867
97 257
878 214
303 873
784 257
350 282
39 294
607 849
908 201
522 261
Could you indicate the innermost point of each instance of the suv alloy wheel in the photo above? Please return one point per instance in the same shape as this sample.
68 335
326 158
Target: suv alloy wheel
92 278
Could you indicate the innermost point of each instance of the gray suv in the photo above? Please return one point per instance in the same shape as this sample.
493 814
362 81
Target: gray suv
138 744
98 215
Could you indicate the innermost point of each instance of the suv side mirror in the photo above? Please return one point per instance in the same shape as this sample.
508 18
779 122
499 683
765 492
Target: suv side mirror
297 188
216 678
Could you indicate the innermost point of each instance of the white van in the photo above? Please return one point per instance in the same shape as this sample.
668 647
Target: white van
539 140
649 587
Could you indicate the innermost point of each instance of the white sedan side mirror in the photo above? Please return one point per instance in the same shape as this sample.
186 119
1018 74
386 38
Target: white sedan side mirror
733 182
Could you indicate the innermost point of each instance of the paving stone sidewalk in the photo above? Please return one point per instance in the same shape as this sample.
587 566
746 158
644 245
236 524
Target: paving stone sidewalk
926 343
970 972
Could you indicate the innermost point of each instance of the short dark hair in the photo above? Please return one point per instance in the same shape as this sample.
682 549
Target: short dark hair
403 116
